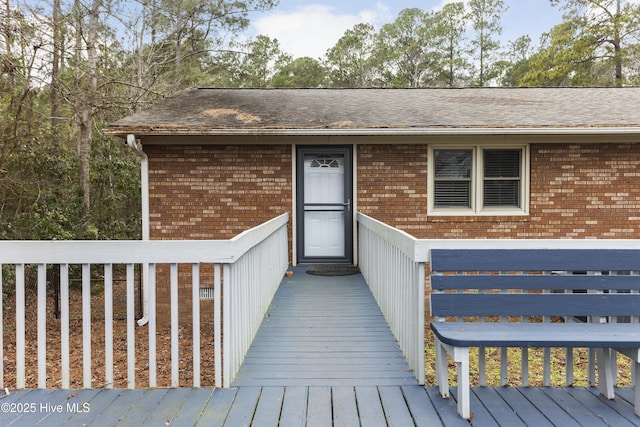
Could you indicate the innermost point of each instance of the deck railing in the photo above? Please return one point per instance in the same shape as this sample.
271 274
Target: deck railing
392 263
246 273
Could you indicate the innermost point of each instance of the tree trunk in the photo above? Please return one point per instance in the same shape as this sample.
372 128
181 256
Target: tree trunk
87 104
55 66
8 42
617 45
178 62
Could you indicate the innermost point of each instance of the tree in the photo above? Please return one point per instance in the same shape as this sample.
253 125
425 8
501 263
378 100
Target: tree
486 18
180 20
405 50
519 63
451 25
564 59
351 59
87 21
65 73
56 50
609 29
253 65
302 72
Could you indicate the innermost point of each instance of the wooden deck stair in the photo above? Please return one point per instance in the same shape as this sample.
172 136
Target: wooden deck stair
324 331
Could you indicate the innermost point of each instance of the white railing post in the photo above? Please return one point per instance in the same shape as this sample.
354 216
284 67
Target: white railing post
1 328
217 324
175 354
151 277
20 327
108 325
86 325
195 322
420 321
42 326
64 326
226 326
131 332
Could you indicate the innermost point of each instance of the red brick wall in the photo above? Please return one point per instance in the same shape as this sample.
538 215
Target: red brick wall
212 192
216 192
392 184
577 191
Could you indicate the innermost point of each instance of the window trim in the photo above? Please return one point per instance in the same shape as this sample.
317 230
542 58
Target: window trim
477 182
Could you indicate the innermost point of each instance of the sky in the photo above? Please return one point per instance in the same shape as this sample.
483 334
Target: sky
310 27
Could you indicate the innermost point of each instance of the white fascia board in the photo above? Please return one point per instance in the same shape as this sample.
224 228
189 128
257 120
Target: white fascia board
621 130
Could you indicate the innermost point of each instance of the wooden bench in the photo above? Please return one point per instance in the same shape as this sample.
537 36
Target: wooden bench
523 291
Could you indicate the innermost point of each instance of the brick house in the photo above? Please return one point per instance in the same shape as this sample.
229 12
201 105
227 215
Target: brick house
438 163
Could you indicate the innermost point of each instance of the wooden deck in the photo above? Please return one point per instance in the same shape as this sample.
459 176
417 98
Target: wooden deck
324 356
315 406
324 331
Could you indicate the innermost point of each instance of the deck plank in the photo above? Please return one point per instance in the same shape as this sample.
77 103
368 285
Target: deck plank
480 415
168 407
420 406
621 405
119 408
145 405
98 404
269 407
522 406
625 393
10 413
599 406
192 407
294 407
33 414
573 407
545 404
74 404
446 409
15 395
319 412
500 412
243 408
319 382
395 408
216 408
345 407
370 407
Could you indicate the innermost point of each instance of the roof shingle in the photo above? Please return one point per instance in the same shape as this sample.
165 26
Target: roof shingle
212 111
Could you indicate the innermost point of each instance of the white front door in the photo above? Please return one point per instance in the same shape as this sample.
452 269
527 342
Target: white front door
324 204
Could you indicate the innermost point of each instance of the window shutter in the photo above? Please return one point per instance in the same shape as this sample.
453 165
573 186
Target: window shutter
452 178
452 194
502 178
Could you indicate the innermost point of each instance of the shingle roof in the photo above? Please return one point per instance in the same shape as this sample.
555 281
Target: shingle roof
256 111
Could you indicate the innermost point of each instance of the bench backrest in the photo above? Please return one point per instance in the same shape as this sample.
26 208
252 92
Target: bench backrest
535 282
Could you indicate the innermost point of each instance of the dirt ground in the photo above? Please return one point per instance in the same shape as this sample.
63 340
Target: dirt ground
54 370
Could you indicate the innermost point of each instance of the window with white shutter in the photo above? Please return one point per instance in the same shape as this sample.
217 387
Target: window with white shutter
452 178
478 180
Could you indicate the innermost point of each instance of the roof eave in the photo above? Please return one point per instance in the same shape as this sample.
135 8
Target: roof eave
439 131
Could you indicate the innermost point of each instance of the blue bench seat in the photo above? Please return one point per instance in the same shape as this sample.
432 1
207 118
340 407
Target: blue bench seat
579 335
522 291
